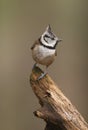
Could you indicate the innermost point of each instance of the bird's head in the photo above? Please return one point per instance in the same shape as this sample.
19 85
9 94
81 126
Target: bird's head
49 39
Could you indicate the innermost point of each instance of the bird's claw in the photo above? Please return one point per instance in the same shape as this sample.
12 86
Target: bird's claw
42 75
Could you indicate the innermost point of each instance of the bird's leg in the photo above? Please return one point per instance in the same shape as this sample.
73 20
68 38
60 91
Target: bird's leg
43 74
34 66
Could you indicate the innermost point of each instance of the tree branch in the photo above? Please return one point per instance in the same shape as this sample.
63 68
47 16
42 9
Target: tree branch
56 109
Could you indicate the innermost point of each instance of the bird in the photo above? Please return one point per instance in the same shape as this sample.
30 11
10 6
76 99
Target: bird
44 49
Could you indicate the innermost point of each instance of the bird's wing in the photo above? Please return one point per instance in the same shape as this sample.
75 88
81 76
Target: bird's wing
35 43
32 47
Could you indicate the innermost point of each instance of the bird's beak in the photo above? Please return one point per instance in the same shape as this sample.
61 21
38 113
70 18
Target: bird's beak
59 40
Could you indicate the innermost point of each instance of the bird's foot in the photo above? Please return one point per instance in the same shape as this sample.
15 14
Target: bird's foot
42 75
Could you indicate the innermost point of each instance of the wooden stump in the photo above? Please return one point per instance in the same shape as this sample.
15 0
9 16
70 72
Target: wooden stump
56 110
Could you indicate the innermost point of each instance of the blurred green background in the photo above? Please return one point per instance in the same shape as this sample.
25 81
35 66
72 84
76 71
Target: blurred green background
21 23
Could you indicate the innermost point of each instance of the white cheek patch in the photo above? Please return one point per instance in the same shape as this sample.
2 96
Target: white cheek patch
48 40
50 43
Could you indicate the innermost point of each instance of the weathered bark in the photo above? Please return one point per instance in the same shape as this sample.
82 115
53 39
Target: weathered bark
56 109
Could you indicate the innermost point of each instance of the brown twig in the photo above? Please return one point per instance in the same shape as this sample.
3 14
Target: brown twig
56 109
